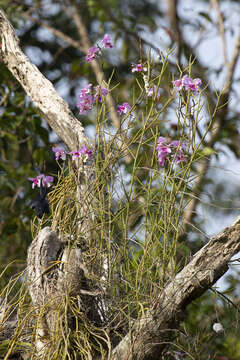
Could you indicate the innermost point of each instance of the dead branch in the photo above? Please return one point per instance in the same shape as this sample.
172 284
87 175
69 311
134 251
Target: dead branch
41 91
55 271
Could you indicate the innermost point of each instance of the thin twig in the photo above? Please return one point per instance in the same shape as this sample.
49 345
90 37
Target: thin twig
127 30
174 24
221 29
54 31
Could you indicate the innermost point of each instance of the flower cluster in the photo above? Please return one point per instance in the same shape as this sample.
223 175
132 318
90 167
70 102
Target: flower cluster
87 98
187 83
40 203
95 51
41 180
169 151
138 68
84 150
61 154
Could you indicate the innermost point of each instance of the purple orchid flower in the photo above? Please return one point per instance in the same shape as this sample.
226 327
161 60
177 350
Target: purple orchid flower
123 109
106 41
59 153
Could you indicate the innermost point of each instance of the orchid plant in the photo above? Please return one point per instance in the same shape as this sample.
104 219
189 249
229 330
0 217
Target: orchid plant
168 151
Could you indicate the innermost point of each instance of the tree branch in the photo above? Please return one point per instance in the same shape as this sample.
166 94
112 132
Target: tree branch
149 335
41 91
56 271
54 31
221 29
174 26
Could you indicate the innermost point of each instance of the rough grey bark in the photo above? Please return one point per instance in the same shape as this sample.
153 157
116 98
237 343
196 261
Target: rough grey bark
40 90
56 272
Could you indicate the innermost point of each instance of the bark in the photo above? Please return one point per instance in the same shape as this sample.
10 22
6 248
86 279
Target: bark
40 90
56 273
